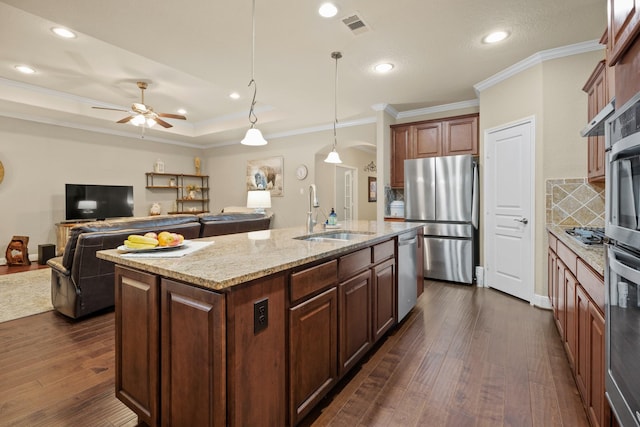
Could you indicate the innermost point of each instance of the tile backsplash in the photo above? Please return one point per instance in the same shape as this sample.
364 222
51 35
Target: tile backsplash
574 203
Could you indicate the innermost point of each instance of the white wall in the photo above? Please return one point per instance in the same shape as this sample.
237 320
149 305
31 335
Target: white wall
552 93
227 166
40 159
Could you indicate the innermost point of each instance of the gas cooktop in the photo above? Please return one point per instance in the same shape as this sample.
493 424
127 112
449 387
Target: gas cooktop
587 235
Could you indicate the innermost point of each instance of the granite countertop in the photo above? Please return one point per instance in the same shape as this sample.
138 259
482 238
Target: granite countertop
237 258
592 255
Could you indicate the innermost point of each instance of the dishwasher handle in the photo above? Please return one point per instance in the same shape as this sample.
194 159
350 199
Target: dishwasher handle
403 240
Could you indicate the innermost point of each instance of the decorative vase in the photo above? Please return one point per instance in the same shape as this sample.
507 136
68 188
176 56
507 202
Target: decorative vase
191 195
155 209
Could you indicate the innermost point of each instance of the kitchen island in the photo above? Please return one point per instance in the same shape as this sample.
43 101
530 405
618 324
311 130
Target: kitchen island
255 328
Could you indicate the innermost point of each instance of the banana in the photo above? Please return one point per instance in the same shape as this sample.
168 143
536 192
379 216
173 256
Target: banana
133 245
135 238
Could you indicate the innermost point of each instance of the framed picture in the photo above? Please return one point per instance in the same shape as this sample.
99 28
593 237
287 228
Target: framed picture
266 174
373 189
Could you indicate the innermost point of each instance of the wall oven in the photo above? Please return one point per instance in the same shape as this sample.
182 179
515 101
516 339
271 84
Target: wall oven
622 273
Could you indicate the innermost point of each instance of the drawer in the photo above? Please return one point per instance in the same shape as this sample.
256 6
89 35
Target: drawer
567 256
307 282
553 240
592 283
384 251
354 263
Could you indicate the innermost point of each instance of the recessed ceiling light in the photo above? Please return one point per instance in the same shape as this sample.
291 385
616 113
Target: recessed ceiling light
64 33
328 10
25 69
234 95
495 37
383 68
182 111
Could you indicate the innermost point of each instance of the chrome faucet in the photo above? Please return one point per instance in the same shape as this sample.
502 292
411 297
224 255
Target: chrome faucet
313 203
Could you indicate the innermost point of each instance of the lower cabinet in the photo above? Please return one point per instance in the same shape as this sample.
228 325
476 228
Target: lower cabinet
355 320
598 407
192 356
313 346
577 295
384 298
137 344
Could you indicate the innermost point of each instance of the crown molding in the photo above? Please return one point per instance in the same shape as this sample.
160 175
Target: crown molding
438 109
535 59
96 129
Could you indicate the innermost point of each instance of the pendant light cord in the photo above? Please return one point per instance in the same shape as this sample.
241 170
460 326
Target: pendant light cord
252 116
336 56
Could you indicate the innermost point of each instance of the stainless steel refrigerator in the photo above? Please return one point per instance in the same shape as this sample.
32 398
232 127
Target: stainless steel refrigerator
443 191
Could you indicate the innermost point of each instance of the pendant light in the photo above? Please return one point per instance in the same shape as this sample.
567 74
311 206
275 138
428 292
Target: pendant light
253 135
333 156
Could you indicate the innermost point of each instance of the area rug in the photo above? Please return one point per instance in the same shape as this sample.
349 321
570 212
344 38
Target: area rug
24 294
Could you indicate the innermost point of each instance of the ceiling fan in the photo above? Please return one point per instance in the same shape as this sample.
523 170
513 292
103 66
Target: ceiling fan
142 114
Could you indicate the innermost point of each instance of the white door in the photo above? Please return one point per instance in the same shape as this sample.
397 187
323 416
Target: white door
508 200
345 197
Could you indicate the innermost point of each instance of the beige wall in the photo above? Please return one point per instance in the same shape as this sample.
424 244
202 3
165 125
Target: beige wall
228 165
40 159
551 92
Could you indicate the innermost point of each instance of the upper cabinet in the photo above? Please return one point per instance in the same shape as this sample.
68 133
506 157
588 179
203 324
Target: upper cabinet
624 25
431 138
597 90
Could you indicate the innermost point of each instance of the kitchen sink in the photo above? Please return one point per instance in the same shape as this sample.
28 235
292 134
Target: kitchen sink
343 236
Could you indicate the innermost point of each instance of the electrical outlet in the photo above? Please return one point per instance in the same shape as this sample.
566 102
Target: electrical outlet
260 315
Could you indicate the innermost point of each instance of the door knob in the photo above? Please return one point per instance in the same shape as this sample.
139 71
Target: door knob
522 220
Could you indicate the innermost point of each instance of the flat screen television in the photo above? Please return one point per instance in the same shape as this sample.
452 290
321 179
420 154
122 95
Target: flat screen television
95 202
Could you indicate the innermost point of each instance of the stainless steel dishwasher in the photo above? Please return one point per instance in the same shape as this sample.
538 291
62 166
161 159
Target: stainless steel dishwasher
407 282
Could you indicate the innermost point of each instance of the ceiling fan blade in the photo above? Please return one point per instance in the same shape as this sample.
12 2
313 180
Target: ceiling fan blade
172 116
112 109
163 123
125 120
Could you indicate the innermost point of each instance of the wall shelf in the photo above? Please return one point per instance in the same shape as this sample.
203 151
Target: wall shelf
180 181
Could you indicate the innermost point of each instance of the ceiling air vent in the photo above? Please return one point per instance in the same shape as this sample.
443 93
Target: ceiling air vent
355 24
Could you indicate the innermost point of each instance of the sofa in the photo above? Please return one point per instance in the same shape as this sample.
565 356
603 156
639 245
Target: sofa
82 284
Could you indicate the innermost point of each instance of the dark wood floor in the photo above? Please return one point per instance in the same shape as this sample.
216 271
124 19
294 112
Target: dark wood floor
464 357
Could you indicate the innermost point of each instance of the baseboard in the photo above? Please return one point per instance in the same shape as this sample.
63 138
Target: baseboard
32 258
541 301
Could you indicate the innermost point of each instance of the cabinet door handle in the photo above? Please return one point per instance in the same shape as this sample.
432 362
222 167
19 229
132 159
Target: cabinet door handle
522 220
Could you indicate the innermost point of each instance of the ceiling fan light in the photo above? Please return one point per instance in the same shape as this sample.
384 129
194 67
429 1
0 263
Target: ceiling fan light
333 157
253 137
138 120
151 123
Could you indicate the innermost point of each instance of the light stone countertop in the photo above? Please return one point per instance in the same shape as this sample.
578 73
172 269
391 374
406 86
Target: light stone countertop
238 258
592 255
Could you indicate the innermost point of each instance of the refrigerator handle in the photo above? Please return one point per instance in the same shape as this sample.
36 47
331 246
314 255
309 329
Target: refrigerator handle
475 197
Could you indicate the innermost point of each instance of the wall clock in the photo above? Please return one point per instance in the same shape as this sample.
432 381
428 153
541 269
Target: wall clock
301 172
1 172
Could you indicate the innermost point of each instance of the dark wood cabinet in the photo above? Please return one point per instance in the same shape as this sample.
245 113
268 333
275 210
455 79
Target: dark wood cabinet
354 297
623 26
384 298
137 345
582 359
313 346
461 136
400 151
560 310
428 137
570 341
192 356
578 301
431 138
598 407
597 89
